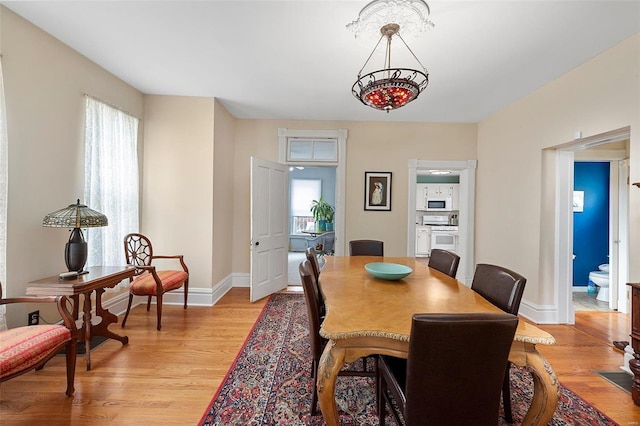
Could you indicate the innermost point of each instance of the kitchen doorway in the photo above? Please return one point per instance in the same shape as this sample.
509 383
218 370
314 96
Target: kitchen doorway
466 216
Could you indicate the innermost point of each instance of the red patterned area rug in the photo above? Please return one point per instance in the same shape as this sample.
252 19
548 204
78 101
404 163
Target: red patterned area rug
270 381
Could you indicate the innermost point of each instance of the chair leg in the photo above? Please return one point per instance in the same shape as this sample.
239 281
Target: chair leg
380 396
159 310
314 395
126 315
148 303
186 292
506 395
71 350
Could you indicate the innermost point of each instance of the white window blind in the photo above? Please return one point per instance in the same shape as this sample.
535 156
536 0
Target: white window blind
111 179
4 161
303 192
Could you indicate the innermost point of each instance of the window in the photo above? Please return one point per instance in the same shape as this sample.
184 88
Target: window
312 150
4 162
111 179
303 192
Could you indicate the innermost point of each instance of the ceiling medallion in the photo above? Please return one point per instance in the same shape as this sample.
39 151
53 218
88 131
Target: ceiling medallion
411 15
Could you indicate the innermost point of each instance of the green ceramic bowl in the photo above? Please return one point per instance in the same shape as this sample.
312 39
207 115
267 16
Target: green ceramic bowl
388 271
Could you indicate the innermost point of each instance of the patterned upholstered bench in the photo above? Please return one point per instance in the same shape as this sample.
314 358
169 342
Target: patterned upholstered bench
23 349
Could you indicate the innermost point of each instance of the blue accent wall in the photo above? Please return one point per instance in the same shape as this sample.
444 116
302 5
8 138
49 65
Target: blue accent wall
591 227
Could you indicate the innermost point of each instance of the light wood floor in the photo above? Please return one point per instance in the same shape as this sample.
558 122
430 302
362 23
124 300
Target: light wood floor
169 377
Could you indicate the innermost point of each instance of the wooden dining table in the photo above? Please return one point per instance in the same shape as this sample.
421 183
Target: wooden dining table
367 315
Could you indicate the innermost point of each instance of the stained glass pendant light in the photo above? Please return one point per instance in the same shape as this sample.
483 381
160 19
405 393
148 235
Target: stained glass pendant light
391 87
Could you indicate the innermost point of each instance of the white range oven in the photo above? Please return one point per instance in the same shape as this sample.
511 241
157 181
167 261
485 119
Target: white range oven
443 235
445 238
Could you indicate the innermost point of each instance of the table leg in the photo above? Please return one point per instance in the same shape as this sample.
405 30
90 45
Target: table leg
76 306
331 363
107 317
86 318
546 387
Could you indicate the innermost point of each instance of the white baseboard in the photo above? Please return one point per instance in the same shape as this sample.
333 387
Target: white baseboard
540 314
196 297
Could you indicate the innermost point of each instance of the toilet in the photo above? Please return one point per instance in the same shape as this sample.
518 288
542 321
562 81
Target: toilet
601 279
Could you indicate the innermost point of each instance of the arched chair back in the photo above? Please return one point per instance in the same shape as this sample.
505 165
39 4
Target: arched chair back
312 257
439 373
503 288
444 261
366 248
500 286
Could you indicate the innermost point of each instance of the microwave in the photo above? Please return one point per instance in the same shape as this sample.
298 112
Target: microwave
438 204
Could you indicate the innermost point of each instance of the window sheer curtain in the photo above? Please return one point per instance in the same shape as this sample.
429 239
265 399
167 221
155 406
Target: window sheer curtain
111 179
3 196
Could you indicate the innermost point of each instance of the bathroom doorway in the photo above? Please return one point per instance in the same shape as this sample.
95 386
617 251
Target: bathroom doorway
591 234
602 147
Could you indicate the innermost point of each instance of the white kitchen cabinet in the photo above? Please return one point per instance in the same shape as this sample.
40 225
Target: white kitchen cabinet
455 196
423 240
442 189
437 190
421 196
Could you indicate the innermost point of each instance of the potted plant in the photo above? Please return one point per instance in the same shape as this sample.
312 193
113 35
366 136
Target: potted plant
329 218
323 213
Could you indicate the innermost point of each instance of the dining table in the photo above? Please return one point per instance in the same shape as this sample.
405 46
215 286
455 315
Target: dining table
366 315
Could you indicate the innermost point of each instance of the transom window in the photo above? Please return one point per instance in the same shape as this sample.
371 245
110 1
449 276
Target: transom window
312 150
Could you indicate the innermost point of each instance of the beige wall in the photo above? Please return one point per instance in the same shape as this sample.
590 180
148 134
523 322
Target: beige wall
177 195
513 214
385 147
195 176
44 84
223 193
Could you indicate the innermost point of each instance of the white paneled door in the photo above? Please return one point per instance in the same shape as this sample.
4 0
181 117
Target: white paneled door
269 227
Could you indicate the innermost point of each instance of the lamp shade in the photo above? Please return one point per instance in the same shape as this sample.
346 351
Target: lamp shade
75 216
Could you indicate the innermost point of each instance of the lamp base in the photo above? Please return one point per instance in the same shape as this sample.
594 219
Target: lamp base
75 251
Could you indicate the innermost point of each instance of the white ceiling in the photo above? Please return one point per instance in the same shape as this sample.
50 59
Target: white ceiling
296 59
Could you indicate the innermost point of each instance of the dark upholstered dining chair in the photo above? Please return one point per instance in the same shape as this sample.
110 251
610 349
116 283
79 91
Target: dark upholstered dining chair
444 261
312 257
23 349
452 359
148 281
366 248
318 343
503 288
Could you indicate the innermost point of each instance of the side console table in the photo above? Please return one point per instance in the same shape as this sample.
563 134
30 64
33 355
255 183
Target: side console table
634 364
98 278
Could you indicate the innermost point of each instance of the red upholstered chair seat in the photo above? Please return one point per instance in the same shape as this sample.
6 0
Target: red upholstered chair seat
24 348
148 281
145 284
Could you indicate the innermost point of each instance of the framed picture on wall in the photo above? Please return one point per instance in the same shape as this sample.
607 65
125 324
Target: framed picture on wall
377 191
578 201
